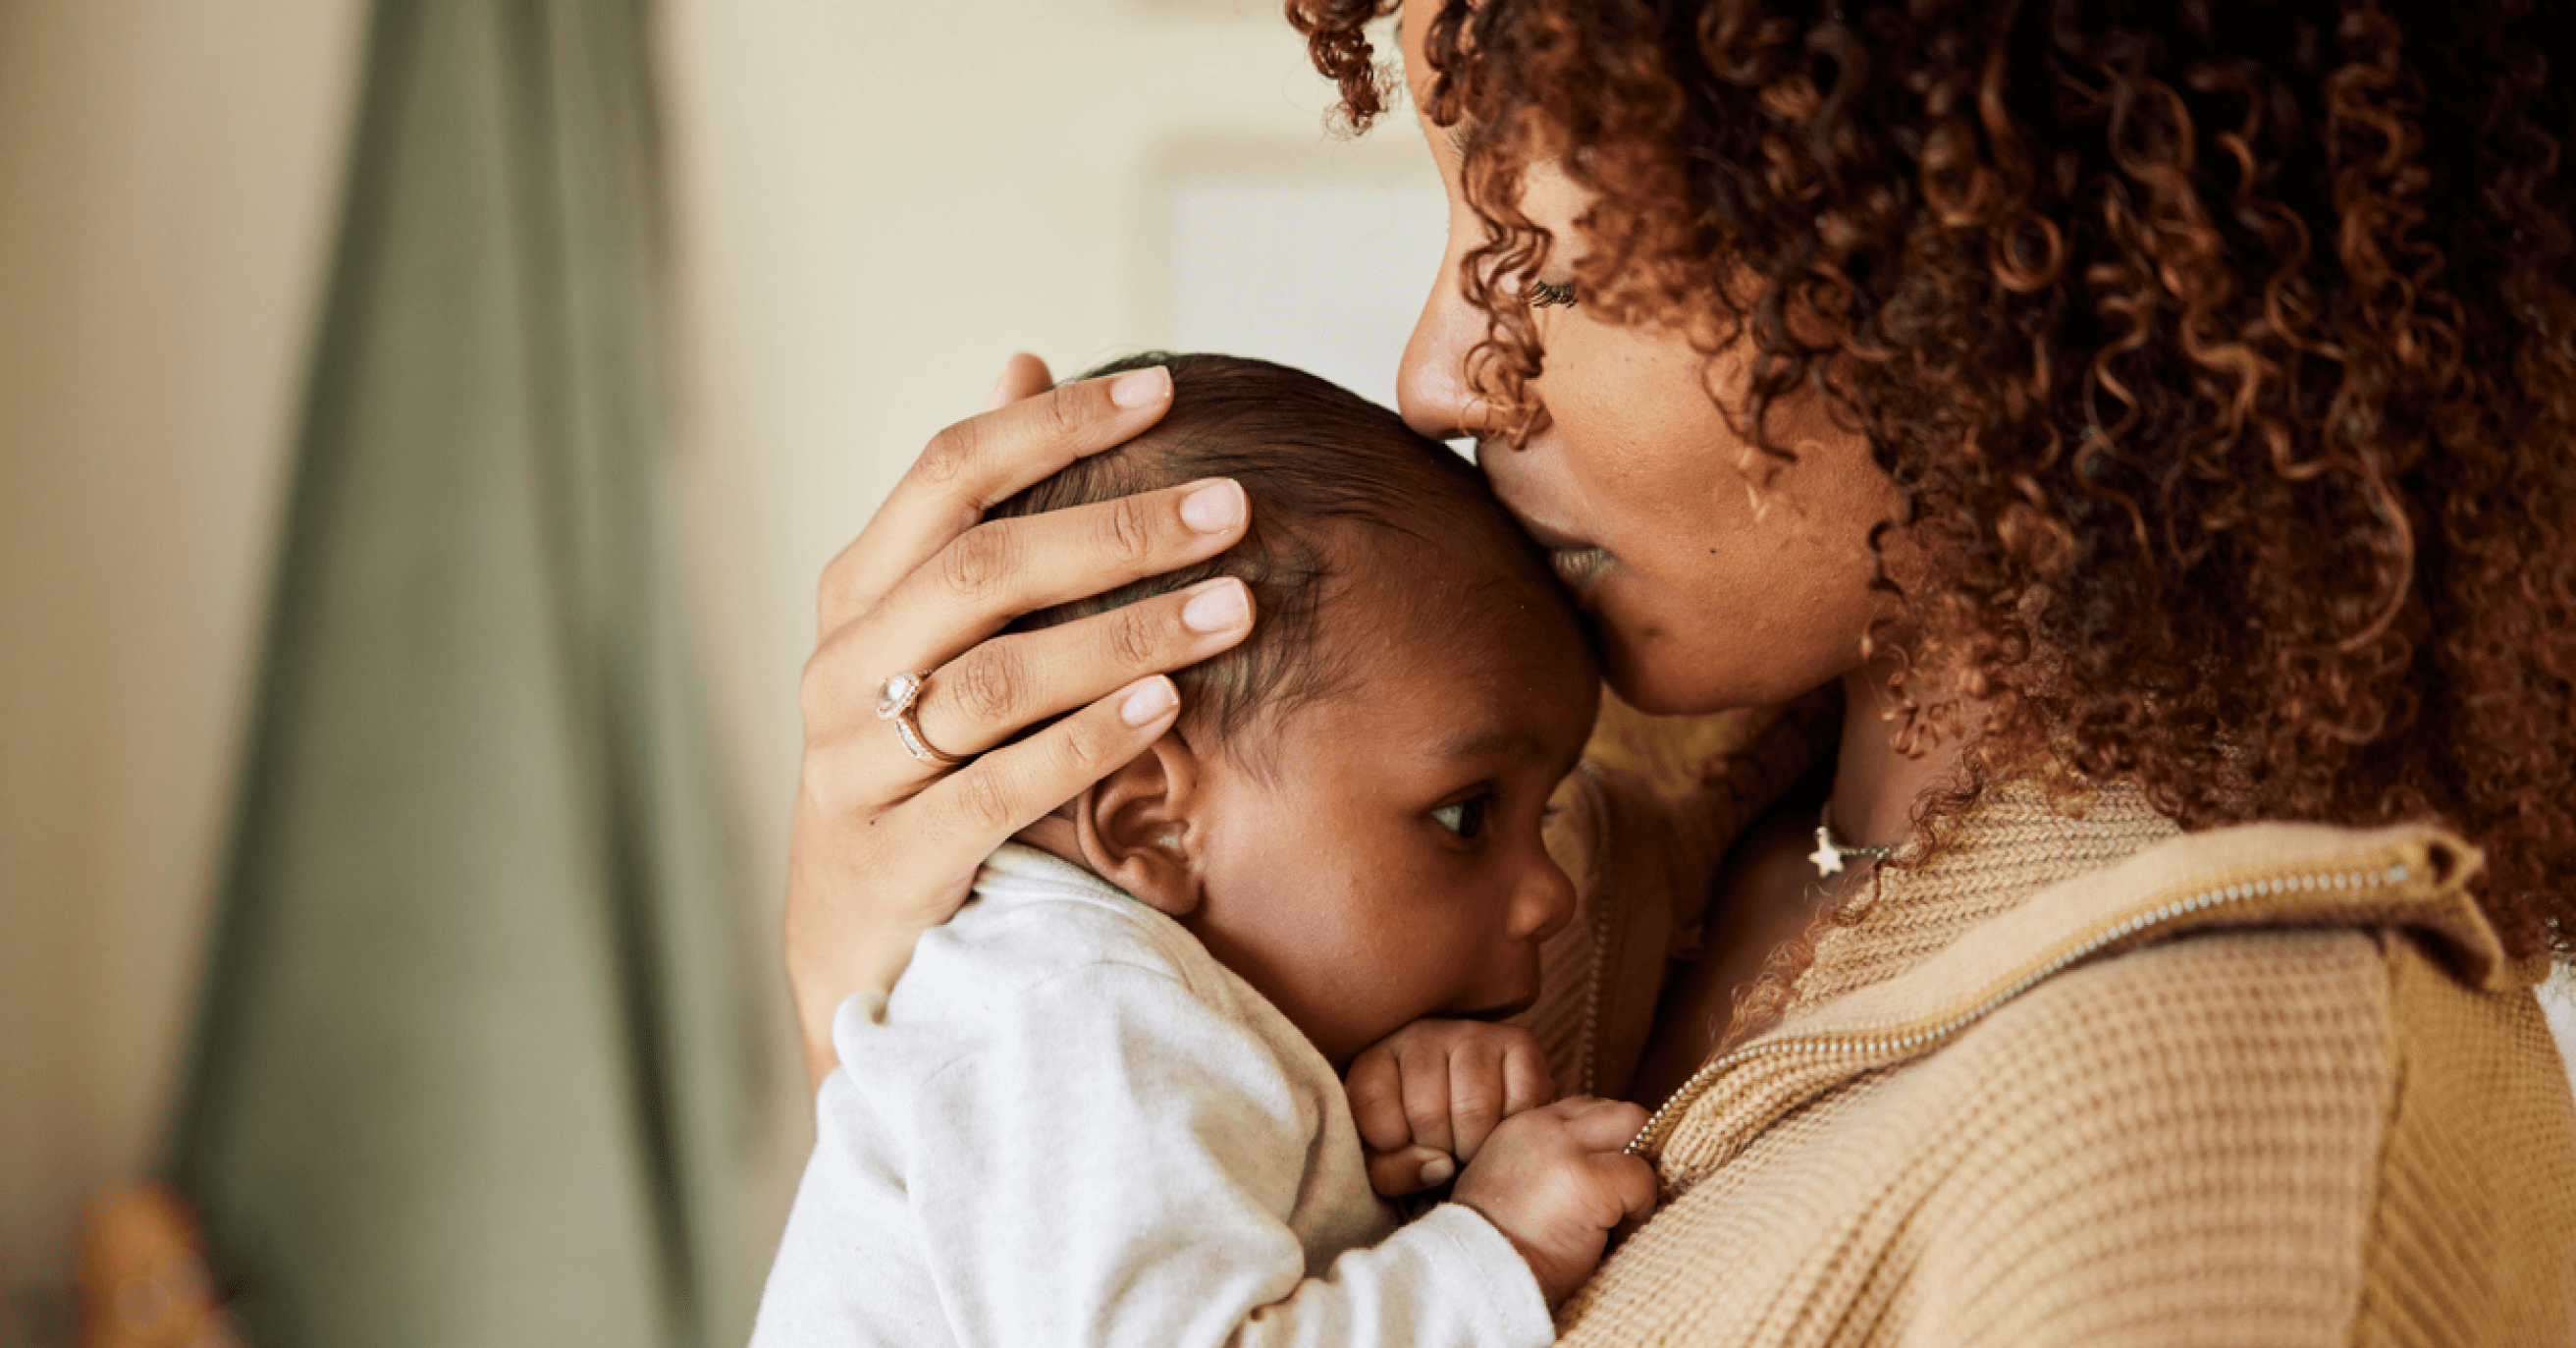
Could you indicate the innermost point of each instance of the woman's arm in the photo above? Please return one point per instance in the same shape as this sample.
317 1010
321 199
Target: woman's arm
884 845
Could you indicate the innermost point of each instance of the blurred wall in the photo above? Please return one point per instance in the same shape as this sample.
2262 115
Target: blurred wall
875 204
879 202
169 175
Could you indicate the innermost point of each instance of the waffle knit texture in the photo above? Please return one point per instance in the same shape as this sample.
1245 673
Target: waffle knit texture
1075 1126
2080 1079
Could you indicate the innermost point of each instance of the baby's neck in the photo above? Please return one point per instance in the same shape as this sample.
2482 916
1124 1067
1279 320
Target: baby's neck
1056 836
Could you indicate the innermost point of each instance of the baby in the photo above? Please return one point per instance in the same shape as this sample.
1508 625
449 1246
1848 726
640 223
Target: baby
1104 1104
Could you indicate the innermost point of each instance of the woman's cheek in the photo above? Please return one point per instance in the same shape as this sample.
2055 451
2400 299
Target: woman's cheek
1646 665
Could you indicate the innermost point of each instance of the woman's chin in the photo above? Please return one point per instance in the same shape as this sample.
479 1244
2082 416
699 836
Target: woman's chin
1674 678
1650 677
1665 696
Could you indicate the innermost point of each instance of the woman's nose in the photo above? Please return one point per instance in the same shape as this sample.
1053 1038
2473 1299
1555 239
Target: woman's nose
1431 384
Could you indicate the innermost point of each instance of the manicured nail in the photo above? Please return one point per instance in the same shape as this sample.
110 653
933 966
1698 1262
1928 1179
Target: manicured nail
1148 700
1214 508
1437 1170
871 1007
1141 388
1216 608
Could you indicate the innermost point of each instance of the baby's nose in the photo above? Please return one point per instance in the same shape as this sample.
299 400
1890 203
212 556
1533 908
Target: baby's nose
1545 903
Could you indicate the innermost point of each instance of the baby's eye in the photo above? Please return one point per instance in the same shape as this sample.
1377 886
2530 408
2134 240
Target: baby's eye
1466 818
1544 294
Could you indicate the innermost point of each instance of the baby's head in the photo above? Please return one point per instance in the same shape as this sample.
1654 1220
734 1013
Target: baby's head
1348 812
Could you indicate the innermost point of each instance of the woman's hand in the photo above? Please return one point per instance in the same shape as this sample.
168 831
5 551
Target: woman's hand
883 845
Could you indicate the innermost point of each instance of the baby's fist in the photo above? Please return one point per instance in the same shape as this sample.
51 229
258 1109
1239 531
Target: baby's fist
1427 1096
1555 1181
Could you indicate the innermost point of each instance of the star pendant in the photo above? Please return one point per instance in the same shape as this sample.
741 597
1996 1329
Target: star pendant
1828 858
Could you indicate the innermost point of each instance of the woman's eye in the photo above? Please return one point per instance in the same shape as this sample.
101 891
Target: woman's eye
1545 294
1466 818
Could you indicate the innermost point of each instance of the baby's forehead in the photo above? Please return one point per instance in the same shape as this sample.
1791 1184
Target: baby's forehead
1438 673
1420 609
1447 581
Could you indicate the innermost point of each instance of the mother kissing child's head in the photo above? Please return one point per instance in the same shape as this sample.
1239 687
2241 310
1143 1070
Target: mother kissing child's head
2111 461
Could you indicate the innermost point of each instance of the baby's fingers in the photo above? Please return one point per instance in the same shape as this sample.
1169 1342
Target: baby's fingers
1427 1096
1479 1095
1376 1088
1527 1084
1600 1125
1409 1170
1627 1179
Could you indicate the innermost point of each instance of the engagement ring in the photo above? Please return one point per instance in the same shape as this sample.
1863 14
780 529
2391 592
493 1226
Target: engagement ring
902 693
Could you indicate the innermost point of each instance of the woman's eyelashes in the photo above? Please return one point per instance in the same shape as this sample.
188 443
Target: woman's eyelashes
1466 818
1547 294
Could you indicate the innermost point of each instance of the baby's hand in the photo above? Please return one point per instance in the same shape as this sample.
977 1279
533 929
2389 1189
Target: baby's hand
1427 1096
1555 1181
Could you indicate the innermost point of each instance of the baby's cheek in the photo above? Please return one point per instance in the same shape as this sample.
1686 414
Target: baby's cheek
1348 1016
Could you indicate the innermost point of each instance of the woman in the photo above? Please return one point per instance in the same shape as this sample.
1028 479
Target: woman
2150 420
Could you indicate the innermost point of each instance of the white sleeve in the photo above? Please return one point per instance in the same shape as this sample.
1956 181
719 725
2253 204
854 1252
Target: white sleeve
1118 1164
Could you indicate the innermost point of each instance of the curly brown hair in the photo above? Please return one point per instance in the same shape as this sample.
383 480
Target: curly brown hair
2224 356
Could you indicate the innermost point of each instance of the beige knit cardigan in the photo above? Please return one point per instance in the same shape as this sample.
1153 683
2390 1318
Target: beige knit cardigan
2078 1080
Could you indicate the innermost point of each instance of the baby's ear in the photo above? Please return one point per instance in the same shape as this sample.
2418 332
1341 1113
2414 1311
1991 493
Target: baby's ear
1138 827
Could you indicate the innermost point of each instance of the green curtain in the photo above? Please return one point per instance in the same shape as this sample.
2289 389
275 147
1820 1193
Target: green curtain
479 1050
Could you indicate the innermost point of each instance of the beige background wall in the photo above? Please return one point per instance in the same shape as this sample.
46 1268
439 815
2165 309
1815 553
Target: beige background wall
880 202
877 202
168 174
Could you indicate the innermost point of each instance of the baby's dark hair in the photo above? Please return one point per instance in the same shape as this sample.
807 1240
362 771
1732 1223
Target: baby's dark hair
1313 458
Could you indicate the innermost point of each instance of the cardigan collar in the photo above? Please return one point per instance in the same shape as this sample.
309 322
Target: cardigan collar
2026 892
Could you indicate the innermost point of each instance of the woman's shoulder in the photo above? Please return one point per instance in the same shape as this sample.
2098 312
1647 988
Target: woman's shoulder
2336 1104
2208 1039
2273 965
2234 1085
2267 1019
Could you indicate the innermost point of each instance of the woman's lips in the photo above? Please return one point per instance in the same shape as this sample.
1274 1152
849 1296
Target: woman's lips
1579 568
1578 562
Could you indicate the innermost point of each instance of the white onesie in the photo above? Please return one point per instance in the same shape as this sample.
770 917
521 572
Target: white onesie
1076 1127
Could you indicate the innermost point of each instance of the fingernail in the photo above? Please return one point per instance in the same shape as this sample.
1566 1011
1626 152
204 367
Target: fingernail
1215 608
1437 1171
1214 508
1140 388
1148 700
871 1007
1001 390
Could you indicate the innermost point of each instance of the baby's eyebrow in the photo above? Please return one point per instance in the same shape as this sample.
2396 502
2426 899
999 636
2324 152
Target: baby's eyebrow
1491 740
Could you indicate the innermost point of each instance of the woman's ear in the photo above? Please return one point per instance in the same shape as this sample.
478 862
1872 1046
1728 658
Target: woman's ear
1138 827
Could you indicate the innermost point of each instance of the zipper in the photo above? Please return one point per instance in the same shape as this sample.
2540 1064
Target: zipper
1592 999
1660 1124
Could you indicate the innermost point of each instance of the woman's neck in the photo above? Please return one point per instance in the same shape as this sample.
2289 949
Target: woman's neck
1875 786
